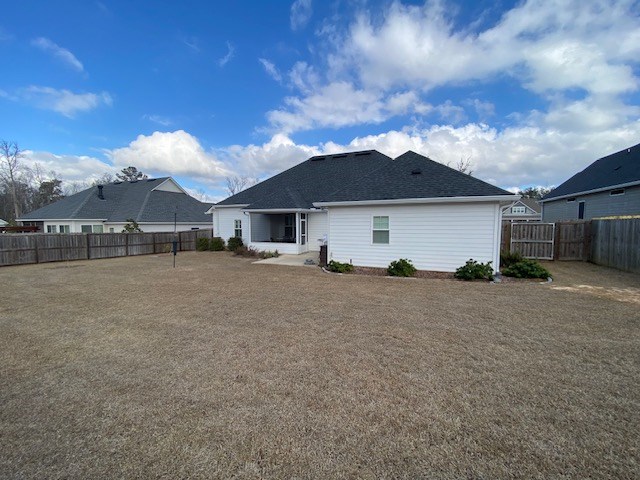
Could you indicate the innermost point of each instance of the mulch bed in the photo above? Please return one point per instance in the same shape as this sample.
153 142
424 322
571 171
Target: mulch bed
382 272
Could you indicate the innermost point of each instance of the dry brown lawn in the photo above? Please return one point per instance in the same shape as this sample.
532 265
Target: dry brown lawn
128 368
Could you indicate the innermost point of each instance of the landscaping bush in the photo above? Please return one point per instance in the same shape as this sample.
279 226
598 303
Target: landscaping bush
339 267
473 270
233 243
217 244
202 244
401 268
526 268
509 258
243 251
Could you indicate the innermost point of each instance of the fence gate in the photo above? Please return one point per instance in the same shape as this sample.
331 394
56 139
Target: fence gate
533 240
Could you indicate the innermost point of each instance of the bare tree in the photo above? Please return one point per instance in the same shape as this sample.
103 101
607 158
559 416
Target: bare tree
463 166
236 184
10 168
106 177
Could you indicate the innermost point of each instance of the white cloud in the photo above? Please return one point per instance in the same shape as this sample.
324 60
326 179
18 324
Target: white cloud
62 54
160 120
271 69
301 11
63 101
74 169
169 153
230 54
548 47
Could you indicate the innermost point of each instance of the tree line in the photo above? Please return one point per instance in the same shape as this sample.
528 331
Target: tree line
26 188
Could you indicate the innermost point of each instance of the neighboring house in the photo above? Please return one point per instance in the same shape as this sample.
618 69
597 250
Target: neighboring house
608 187
523 210
370 210
152 203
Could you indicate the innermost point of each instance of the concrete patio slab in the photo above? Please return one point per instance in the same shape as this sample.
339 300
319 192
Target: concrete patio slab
293 260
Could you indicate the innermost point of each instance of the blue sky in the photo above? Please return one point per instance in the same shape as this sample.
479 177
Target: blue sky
531 92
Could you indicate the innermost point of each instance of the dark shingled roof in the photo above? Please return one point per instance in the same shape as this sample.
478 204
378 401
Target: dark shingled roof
358 176
125 200
615 169
413 176
307 182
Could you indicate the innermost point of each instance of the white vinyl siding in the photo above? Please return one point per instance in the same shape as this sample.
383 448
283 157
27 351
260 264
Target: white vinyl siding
439 237
224 224
317 226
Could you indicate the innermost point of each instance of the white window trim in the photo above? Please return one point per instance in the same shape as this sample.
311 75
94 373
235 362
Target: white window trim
518 210
380 230
237 221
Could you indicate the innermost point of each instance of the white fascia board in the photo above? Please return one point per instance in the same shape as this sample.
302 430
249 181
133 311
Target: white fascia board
503 199
216 207
62 219
284 210
595 190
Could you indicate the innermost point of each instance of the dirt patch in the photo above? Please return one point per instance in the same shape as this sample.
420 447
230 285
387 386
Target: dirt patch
382 272
221 368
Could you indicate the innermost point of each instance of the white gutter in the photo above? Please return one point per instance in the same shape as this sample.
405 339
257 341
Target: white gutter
506 199
283 210
62 219
215 207
595 190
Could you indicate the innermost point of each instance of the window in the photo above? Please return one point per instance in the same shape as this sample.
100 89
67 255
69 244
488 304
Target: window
289 222
111 230
65 229
580 210
517 210
618 191
237 228
51 229
380 230
91 228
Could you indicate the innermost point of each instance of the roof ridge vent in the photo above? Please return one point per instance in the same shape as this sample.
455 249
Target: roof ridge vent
317 159
151 179
341 155
362 154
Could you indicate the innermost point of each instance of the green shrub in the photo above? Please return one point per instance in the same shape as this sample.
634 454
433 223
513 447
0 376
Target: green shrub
509 258
526 268
401 268
217 244
233 243
473 270
339 267
202 244
243 251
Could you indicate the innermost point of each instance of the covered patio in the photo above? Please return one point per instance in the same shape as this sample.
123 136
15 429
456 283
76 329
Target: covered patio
285 231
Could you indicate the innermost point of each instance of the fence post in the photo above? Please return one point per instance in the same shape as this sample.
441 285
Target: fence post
88 246
556 241
126 244
35 248
587 242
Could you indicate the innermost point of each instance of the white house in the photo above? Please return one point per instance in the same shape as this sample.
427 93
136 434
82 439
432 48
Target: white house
370 210
153 203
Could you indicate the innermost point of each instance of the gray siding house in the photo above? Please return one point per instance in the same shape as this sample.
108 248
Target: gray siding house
608 187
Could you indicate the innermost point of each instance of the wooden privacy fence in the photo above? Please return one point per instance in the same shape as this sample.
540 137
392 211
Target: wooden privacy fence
609 242
616 243
17 249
